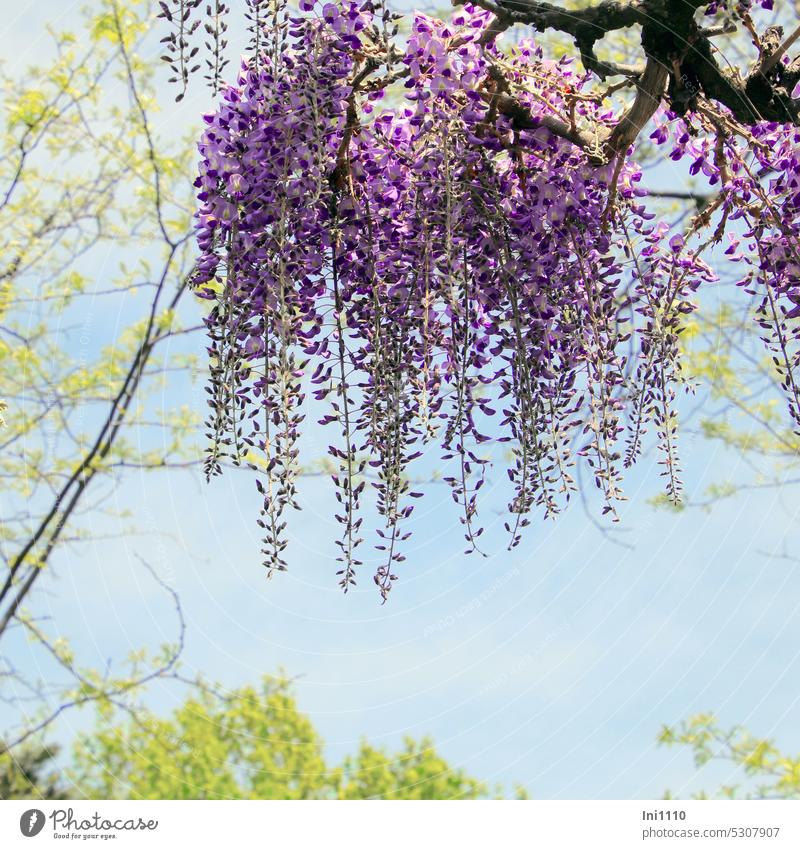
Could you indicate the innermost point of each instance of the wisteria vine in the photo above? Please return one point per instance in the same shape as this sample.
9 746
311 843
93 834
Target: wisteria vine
459 269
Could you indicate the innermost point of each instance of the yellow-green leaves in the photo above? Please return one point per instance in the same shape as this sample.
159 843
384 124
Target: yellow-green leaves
417 771
131 17
760 768
251 743
30 109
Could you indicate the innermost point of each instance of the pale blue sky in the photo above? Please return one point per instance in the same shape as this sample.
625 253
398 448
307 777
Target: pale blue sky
552 666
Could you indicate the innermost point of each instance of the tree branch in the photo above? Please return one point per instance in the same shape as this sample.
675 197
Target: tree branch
677 51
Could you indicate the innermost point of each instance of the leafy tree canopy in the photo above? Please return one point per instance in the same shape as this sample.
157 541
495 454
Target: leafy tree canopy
251 743
762 771
28 773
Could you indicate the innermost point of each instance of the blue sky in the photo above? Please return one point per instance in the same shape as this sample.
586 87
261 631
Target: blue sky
553 665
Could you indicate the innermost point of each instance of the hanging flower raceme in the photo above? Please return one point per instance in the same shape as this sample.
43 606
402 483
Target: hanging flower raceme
757 172
449 272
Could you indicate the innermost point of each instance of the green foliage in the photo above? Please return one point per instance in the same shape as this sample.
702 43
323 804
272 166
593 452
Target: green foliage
95 251
82 204
416 772
744 410
250 743
766 773
27 774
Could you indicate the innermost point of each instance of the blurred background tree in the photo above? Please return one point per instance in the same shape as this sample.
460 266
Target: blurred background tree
766 772
95 258
29 773
248 743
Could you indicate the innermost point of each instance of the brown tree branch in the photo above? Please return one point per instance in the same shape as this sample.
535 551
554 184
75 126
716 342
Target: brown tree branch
677 50
649 93
52 524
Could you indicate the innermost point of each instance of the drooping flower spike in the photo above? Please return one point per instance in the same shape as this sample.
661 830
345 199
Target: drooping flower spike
450 271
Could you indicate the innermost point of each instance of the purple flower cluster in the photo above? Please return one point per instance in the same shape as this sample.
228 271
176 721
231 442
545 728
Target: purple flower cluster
449 271
738 7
